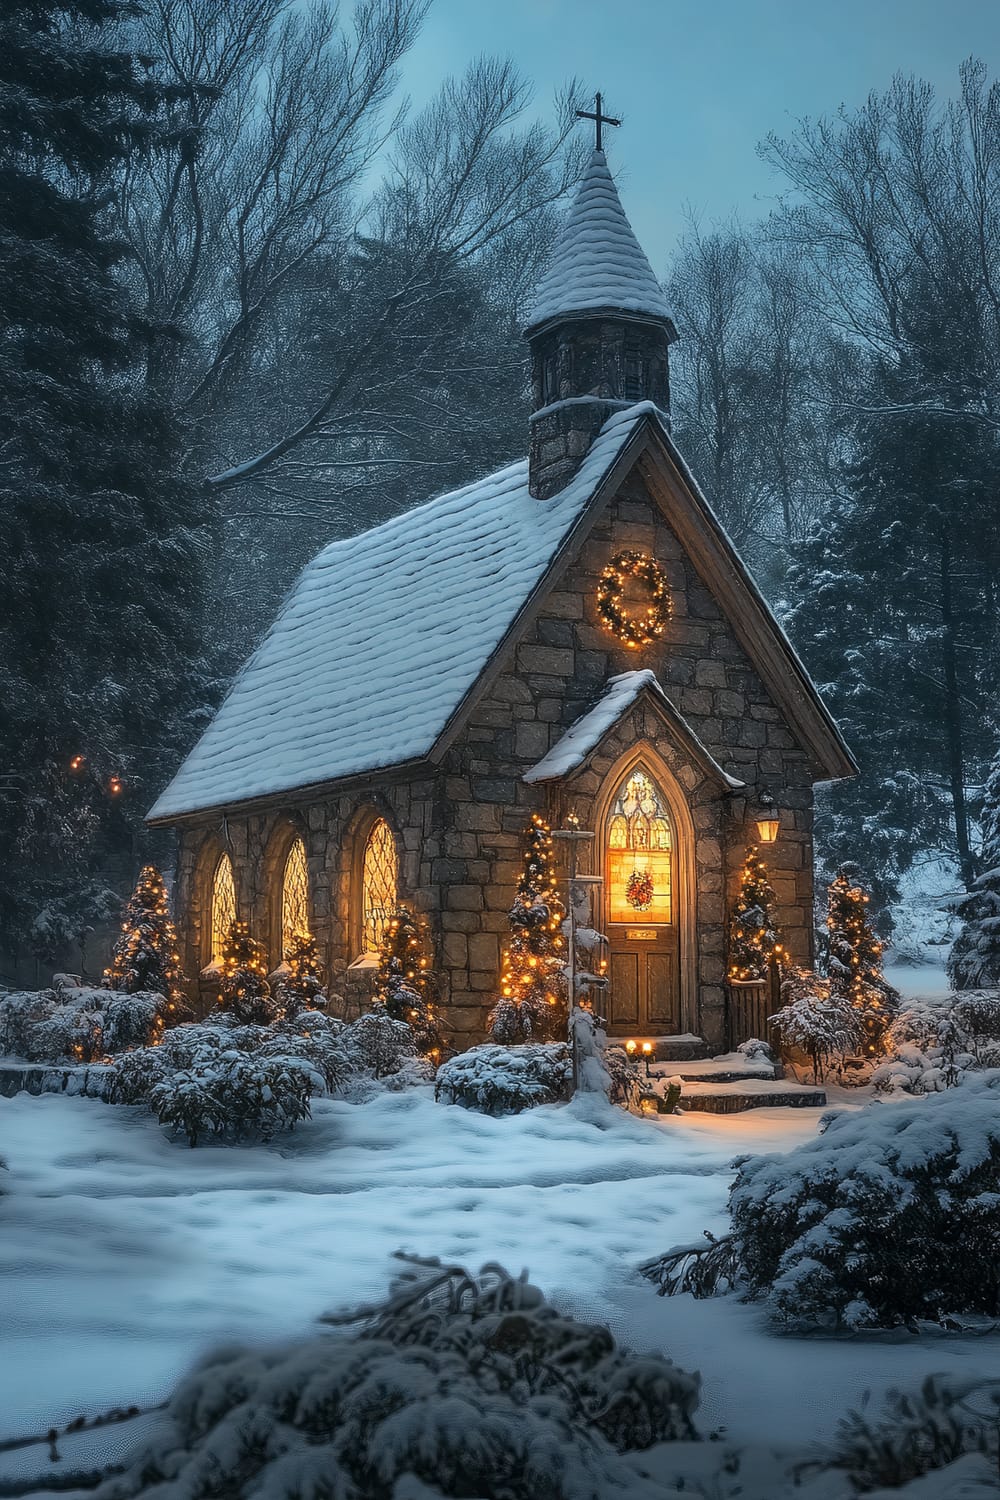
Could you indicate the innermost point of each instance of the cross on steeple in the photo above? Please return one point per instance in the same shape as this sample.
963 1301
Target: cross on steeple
599 118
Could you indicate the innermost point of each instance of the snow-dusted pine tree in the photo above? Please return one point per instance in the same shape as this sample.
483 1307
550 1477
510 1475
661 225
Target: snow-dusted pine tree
855 959
753 933
145 955
244 991
532 1003
974 962
300 986
405 983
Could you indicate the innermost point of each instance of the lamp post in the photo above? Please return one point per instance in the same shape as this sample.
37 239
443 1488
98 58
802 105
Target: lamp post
574 836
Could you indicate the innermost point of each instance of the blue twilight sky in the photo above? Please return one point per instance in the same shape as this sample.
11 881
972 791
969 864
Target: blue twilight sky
700 82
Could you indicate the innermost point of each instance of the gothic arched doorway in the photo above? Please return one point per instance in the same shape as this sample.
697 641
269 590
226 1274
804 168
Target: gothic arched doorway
642 895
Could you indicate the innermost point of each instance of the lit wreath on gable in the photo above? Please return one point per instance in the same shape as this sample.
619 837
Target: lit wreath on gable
647 624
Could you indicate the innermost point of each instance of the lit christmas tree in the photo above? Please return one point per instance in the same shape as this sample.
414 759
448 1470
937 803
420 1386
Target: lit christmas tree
301 984
244 991
532 1003
405 984
145 955
753 935
855 959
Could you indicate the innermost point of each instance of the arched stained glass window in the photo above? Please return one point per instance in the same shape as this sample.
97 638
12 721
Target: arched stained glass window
639 853
223 905
378 884
294 895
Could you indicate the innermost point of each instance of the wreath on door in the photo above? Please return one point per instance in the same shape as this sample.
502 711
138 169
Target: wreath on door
639 890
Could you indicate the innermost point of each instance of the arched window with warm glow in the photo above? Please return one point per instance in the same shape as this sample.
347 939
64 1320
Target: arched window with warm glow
640 848
294 895
223 906
379 880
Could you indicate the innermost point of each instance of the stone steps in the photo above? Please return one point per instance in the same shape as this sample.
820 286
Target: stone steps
683 1048
757 1093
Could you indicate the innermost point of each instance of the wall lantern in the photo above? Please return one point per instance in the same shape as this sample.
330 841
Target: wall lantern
768 821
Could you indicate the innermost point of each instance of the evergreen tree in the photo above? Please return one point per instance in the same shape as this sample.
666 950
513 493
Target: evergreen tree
103 545
532 1003
301 984
855 960
145 955
974 961
753 933
244 991
405 983
895 612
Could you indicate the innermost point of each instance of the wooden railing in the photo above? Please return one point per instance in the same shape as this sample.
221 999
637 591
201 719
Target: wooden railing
749 1003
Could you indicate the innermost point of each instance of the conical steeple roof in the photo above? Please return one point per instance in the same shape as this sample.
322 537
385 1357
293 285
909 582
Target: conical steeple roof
597 262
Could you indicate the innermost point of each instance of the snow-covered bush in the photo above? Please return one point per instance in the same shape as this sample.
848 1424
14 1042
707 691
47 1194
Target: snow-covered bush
815 1021
627 1082
753 1049
244 1096
377 1044
860 1227
457 1386
921 1432
234 1083
935 1043
73 1023
499 1080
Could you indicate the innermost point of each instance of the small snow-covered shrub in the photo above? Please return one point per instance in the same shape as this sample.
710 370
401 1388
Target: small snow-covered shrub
72 1023
860 1227
499 1080
815 1020
753 1049
627 1082
457 1386
936 1043
243 1097
921 1432
231 1082
377 1044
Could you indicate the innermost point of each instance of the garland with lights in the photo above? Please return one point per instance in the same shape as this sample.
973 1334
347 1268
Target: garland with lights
649 622
145 956
855 959
639 890
406 983
532 1003
753 933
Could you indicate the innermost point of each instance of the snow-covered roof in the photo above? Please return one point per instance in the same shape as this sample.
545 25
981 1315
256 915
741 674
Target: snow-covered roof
572 749
597 262
383 636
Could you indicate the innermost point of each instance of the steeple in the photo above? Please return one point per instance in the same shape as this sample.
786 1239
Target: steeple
599 331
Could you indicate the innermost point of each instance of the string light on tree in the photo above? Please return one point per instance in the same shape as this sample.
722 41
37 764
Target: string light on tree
301 983
532 1001
754 939
145 956
245 992
406 982
855 959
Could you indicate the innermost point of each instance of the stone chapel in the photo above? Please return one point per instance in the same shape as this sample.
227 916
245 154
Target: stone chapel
573 634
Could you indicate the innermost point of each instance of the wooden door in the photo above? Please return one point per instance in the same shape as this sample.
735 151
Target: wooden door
641 911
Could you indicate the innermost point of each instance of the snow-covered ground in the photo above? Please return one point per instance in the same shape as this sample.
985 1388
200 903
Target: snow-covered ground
123 1255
